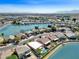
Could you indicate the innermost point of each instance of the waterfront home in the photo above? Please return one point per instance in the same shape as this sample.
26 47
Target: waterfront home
44 40
35 45
23 51
60 35
31 37
42 30
37 48
63 28
52 37
24 41
70 35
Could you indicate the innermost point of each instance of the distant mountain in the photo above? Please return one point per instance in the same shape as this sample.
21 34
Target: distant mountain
59 13
72 11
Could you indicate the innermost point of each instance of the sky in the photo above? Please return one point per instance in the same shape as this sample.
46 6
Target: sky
37 6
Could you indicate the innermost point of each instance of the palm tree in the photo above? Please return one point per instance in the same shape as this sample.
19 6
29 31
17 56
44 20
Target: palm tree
74 19
2 34
36 27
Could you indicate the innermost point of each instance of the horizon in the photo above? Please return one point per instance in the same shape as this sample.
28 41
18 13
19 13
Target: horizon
37 6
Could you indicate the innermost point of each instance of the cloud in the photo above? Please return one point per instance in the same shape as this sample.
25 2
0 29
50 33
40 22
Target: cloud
33 9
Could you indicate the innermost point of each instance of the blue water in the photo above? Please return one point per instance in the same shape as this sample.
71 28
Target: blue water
15 29
69 51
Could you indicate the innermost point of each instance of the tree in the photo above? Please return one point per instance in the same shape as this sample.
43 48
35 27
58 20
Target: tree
2 22
39 51
53 29
36 27
49 26
2 34
68 19
74 19
14 22
62 19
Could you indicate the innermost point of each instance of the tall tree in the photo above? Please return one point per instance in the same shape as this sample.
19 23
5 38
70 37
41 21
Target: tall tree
74 19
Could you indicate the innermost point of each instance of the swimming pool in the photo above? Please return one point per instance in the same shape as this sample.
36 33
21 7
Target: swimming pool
15 29
69 51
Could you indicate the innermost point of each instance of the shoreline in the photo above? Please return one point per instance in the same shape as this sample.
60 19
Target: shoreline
56 48
52 52
5 25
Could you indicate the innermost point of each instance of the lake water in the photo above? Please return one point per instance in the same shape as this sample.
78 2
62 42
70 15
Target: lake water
69 51
15 29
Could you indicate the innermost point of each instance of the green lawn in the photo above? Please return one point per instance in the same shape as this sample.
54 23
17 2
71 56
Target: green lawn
12 57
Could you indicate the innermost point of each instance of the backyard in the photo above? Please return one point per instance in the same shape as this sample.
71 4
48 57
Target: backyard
12 57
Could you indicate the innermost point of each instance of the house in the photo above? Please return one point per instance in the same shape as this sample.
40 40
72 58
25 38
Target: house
37 48
46 39
23 51
64 28
60 35
25 40
70 35
43 39
22 42
52 37
4 54
6 51
35 45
